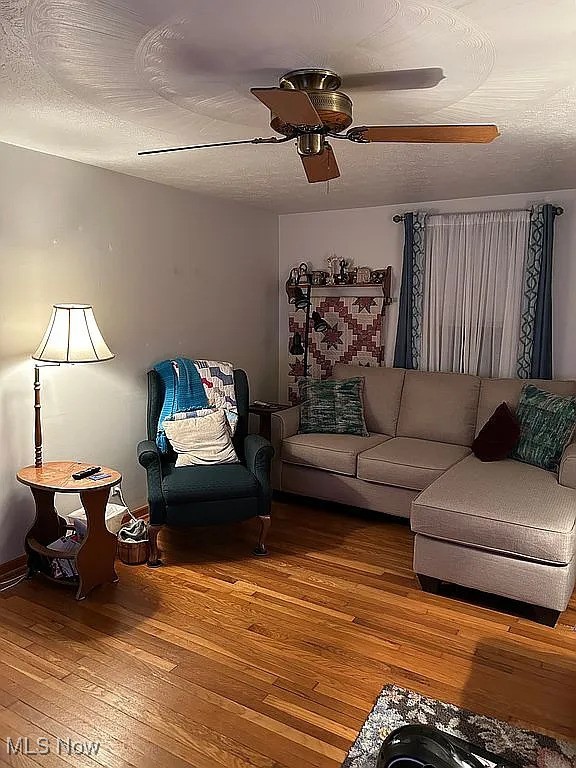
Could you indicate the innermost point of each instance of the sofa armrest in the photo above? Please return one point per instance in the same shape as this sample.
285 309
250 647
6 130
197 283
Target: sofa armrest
567 472
149 458
148 453
258 452
284 424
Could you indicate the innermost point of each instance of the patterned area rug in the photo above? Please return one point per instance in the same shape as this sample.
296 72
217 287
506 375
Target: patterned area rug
398 706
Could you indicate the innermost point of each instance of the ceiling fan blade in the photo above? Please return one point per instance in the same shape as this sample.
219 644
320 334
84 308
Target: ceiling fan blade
425 134
291 106
322 167
271 140
395 80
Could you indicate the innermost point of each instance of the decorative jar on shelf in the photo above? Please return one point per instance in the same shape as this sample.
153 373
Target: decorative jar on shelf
319 277
363 275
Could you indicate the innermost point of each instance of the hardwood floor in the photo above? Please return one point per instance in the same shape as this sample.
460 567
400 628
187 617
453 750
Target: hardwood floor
221 658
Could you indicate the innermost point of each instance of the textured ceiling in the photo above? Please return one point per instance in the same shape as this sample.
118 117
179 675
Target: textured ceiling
98 80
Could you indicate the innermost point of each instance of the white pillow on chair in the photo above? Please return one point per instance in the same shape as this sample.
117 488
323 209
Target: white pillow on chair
202 440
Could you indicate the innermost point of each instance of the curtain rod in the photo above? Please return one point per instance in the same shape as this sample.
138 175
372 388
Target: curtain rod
557 210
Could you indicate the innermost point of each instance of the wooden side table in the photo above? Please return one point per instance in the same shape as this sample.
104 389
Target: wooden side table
265 411
95 557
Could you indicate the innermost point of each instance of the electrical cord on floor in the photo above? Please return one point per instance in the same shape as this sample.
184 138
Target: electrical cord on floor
9 583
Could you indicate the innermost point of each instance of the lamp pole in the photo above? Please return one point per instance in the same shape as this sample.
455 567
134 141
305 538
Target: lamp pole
37 419
307 329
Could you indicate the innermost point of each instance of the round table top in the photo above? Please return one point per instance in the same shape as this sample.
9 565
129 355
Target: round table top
57 476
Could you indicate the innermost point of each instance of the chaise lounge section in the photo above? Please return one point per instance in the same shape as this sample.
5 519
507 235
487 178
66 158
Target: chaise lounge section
502 527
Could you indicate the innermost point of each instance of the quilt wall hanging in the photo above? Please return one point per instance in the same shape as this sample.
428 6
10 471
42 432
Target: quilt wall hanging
334 324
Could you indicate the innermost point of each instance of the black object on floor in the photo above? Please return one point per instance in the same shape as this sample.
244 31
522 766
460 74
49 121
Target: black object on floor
414 746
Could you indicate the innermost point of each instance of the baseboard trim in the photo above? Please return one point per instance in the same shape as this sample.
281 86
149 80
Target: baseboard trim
140 512
12 568
17 566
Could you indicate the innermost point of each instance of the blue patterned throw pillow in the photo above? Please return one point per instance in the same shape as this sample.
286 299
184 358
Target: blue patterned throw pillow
547 422
335 407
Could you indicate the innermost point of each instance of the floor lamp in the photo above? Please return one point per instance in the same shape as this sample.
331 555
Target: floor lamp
302 299
72 336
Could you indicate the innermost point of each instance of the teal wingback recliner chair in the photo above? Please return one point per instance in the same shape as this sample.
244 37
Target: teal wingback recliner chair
206 495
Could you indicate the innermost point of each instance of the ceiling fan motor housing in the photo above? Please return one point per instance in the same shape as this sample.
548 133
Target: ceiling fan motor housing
333 106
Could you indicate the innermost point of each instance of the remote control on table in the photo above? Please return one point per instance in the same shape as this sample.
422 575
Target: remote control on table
86 473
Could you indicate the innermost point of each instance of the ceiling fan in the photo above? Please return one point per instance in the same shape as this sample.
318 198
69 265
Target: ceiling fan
308 107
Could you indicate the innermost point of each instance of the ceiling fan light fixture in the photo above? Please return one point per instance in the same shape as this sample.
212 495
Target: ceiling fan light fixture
307 106
310 144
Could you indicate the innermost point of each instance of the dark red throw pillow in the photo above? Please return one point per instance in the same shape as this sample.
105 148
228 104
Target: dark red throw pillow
498 437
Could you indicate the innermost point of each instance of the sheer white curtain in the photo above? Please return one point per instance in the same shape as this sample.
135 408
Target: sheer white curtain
473 283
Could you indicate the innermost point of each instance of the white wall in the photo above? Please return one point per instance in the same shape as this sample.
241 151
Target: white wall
168 272
369 237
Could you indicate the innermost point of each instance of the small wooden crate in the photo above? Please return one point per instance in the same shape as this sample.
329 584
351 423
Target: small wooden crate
133 552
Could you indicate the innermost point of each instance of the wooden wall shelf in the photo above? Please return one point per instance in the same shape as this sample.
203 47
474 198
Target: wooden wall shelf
351 289
350 285
362 289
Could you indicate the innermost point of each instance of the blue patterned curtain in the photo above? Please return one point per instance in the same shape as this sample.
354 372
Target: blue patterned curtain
408 334
535 347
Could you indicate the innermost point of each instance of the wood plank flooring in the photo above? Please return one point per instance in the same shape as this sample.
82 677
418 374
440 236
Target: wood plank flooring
223 659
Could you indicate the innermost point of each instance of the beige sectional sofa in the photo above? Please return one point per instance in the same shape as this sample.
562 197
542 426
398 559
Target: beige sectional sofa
503 527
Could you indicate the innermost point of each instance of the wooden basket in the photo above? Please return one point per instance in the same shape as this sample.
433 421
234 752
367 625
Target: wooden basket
133 552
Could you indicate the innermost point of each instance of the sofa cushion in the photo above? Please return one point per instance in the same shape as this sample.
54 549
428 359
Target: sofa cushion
333 453
496 391
332 407
201 440
207 483
407 462
382 392
498 437
547 423
439 406
503 506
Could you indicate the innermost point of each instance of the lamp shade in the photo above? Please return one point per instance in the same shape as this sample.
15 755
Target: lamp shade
296 347
320 325
72 336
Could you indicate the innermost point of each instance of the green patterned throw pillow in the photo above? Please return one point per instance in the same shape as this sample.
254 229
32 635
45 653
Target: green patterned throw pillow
335 407
547 422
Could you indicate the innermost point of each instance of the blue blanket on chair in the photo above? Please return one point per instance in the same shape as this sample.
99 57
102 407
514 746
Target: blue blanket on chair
183 391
